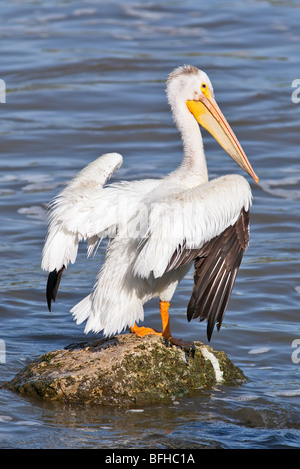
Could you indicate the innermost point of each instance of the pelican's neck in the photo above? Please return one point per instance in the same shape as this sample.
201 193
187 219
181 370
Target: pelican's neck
193 169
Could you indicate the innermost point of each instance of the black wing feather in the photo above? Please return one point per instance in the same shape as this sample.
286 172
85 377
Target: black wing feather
215 268
212 286
53 284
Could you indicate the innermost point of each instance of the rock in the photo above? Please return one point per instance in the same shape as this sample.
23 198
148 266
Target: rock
125 370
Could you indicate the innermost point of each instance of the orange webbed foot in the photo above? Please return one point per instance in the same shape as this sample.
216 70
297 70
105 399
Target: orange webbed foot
166 333
142 331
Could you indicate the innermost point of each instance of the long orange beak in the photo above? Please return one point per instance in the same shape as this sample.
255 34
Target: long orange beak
208 114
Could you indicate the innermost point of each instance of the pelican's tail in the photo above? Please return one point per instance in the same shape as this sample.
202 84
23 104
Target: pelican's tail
109 314
82 310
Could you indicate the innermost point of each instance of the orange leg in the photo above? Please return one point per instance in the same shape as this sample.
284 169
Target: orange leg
164 313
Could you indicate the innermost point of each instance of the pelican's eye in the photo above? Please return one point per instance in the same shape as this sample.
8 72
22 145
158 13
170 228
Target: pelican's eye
205 90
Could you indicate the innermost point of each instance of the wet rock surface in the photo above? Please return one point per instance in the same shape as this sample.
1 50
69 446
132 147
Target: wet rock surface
125 370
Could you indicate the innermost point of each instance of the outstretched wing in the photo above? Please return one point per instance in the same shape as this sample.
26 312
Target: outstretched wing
208 225
71 218
215 268
86 210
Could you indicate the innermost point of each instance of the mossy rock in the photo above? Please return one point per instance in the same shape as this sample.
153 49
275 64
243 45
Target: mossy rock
125 370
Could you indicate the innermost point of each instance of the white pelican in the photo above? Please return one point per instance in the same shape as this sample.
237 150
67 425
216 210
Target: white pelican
157 228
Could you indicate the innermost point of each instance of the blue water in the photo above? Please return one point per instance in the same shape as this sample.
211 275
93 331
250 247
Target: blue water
85 78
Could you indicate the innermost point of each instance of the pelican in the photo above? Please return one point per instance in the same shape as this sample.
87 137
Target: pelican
157 228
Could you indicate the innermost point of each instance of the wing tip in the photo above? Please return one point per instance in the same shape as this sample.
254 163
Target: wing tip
53 282
212 289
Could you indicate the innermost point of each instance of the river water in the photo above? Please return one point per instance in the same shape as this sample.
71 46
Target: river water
85 78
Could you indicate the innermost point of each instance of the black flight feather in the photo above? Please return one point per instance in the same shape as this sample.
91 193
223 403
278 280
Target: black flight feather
216 265
53 284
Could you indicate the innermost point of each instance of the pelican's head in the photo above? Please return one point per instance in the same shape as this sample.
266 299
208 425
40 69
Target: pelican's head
190 92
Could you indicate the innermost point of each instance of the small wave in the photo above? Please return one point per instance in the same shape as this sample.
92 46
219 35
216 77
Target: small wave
84 12
38 187
143 12
135 410
7 192
28 423
5 418
8 178
273 187
247 398
37 212
33 182
287 393
258 350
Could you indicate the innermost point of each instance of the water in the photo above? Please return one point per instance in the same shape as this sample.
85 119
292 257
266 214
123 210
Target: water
84 78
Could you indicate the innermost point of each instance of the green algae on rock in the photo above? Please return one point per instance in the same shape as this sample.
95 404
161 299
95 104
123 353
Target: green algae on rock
125 370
